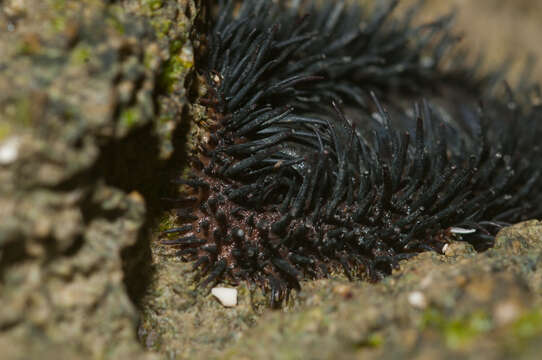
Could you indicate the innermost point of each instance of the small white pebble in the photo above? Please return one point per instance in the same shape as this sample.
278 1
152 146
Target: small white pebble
9 150
507 312
226 296
417 299
458 230
445 248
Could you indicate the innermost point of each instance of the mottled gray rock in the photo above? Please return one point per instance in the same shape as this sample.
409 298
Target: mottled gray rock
82 138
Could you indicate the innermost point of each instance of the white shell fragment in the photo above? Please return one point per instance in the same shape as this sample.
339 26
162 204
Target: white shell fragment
458 230
417 299
226 296
9 150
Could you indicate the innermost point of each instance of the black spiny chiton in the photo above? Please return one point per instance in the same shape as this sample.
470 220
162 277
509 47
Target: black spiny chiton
313 162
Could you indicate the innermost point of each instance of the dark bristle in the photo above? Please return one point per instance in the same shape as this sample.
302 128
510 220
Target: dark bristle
315 161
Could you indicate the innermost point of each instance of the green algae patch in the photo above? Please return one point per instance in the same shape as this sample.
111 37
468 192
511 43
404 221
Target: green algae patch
458 331
5 130
373 340
23 111
528 326
81 54
162 27
130 117
167 222
175 67
59 23
153 5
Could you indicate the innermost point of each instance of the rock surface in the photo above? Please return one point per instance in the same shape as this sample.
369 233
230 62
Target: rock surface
461 304
483 306
82 138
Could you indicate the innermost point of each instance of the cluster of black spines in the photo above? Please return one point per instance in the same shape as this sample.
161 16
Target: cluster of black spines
359 191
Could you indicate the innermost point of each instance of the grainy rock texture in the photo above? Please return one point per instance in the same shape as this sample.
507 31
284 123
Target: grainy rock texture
461 304
82 140
501 29
483 306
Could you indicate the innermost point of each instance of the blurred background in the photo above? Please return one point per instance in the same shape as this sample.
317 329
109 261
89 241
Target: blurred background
499 28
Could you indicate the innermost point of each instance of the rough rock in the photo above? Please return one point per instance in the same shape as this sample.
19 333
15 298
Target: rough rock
485 306
82 138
